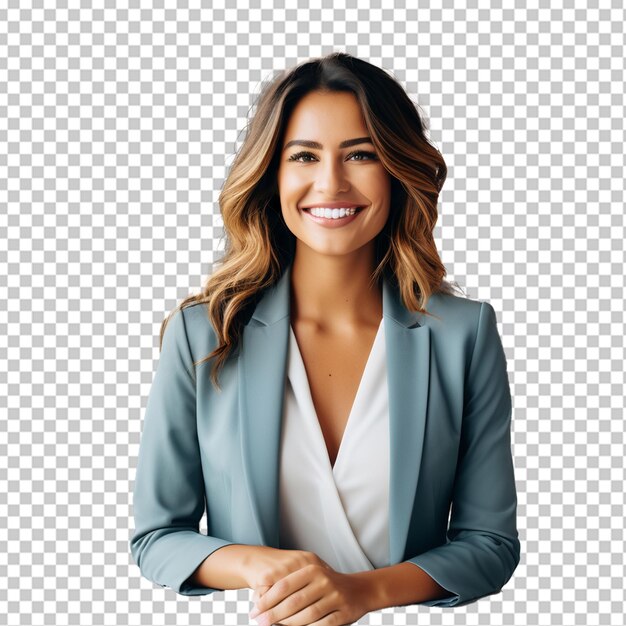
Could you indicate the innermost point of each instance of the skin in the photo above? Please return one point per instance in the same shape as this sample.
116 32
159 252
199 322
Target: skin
331 304
332 267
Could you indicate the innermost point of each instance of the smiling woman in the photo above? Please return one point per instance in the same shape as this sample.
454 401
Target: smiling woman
360 399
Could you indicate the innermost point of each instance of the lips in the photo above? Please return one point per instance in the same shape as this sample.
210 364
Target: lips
332 223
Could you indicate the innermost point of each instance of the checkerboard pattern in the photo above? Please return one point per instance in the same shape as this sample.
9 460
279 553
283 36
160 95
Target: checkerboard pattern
118 122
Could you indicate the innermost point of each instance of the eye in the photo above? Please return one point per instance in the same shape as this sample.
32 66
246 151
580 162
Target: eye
297 155
361 153
370 155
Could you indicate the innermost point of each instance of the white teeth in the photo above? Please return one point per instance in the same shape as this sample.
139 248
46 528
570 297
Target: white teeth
331 213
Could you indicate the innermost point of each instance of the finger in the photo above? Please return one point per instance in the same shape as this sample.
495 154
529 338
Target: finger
300 610
288 596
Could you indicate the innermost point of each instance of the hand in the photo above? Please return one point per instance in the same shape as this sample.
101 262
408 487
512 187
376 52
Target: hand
265 565
312 595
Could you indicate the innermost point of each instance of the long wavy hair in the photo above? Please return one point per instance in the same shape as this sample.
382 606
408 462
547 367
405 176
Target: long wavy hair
259 245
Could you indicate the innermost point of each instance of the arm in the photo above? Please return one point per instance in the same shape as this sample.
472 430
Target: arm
224 568
399 585
168 497
483 549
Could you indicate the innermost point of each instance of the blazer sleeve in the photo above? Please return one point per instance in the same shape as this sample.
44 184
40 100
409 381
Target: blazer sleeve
168 495
482 549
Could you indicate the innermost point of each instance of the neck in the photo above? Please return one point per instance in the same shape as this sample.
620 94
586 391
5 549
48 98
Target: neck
333 292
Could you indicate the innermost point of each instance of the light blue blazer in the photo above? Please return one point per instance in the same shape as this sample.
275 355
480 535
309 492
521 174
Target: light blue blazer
449 423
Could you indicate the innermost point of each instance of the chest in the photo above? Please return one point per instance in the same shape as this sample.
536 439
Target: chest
334 366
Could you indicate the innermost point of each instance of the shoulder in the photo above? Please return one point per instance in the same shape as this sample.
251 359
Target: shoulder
456 310
458 318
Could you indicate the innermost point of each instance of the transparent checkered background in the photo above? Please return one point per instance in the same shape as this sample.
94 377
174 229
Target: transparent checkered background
117 127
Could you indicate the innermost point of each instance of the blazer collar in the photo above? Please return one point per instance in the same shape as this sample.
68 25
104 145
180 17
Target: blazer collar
262 369
274 304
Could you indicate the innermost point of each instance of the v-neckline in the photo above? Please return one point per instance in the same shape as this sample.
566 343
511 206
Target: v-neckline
357 395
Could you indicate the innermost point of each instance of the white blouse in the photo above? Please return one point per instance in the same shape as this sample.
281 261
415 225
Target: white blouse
341 513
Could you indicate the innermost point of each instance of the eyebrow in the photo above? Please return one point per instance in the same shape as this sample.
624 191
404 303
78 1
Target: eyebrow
318 146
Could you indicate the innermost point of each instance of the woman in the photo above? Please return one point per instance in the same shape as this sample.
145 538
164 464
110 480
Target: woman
352 397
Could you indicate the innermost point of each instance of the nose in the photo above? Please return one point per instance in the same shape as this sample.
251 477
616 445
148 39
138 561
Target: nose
331 178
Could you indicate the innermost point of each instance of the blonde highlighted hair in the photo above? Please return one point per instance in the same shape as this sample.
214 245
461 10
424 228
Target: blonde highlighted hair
258 244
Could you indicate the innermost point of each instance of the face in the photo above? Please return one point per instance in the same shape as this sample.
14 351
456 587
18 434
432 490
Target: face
331 173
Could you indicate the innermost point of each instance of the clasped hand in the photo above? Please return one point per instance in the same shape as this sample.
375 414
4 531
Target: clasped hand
297 588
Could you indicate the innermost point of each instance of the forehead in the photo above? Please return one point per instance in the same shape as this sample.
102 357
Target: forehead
334 114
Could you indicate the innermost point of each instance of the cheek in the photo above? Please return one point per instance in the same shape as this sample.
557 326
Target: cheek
290 180
383 181
375 183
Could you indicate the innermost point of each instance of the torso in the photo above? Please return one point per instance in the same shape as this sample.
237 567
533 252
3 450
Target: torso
334 366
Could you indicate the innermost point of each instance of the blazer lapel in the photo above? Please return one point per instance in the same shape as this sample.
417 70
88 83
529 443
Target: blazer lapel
262 367
407 343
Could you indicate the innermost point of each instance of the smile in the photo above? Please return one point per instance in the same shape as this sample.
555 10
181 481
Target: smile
332 218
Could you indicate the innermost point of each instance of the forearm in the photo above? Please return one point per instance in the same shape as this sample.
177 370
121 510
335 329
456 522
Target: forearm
224 568
400 585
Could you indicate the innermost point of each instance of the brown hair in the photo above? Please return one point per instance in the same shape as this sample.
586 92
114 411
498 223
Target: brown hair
258 244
